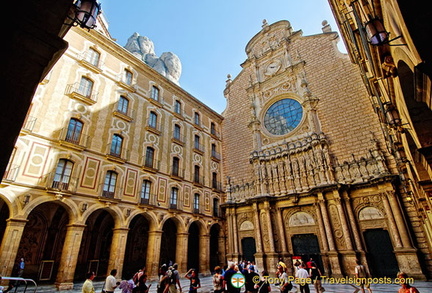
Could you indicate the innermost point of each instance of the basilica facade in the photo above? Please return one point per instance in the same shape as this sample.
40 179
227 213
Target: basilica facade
309 171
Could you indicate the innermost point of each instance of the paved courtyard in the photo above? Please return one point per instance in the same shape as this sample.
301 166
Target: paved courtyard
206 287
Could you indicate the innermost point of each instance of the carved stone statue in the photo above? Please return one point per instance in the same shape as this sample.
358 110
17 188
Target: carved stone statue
168 64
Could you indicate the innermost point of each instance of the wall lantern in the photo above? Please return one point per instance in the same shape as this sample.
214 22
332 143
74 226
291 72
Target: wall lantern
376 32
86 13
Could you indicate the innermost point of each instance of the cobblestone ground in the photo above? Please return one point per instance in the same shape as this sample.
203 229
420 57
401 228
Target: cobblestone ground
206 287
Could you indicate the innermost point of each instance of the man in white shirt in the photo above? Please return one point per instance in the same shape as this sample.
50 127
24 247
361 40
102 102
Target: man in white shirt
111 282
303 279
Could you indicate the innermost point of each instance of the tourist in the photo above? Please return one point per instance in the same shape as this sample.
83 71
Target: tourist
362 276
315 274
302 276
217 280
111 282
88 283
406 287
195 282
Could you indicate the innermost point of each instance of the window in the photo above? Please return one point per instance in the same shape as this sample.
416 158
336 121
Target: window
128 77
173 197
213 129
62 174
215 207
155 93
145 191
149 158
116 145
176 166
215 184
123 105
177 107
196 203
85 87
93 57
283 116
177 132
197 119
153 120
196 174
109 184
197 142
74 130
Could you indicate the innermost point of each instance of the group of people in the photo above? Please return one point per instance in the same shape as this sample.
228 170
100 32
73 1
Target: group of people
169 279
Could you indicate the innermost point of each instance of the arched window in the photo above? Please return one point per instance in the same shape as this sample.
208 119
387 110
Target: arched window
197 119
149 158
123 105
116 145
128 76
109 184
196 204
173 198
177 132
62 174
176 167
177 107
145 191
74 131
153 120
93 57
85 87
155 93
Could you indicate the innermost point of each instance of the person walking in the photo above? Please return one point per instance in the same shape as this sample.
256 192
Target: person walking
303 278
88 283
111 282
315 274
217 280
405 286
362 276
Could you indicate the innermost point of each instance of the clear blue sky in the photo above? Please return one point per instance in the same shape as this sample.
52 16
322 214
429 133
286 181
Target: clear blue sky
209 37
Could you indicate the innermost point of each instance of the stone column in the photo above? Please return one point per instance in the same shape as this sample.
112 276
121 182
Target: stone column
400 222
153 253
204 261
181 256
69 257
333 255
392 222
343 220
353 221
10 244
272 256
117 251
235 235
259 255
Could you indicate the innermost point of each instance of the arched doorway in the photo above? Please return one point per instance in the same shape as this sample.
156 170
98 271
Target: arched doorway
382 261
249 248
136 247
169 242
306 246
215 254
95 245
42 241
193 247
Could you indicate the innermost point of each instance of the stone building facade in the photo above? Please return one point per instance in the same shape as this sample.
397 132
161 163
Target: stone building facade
310 175
116 166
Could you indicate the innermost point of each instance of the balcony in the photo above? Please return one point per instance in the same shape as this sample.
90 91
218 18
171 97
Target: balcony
217 186
119 156
86 60
110 194
74 140
125 115
151 166
11 173
76 92
29 124
178 139
198 148
198 180
60 182
177 174
126 84
156 129
215 156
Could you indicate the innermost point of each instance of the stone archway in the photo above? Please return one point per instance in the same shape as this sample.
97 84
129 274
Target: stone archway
193 251
95 247
42 241
136 247
169 242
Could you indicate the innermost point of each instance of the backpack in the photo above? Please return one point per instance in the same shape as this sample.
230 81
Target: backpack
172 276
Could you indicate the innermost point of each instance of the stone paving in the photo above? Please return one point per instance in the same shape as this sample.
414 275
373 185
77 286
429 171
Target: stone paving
206 287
